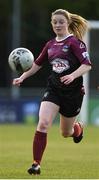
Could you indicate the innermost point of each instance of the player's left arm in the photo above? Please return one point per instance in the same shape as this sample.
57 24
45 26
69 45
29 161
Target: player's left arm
81 70
80 51
67 79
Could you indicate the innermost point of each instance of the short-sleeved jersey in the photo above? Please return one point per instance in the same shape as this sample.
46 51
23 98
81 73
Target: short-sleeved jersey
65 57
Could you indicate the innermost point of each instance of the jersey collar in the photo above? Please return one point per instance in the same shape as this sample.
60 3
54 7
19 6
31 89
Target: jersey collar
63 38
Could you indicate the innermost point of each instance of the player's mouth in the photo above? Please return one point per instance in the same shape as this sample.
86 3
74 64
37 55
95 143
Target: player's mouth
58 29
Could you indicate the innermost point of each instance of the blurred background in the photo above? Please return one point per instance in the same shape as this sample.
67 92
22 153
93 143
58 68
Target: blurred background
26 23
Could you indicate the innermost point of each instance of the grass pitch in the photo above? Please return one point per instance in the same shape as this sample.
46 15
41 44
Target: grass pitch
62 159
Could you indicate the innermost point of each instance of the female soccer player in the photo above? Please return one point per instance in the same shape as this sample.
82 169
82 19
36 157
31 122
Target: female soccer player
69 59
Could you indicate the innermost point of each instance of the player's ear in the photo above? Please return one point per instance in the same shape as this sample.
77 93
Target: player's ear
51 22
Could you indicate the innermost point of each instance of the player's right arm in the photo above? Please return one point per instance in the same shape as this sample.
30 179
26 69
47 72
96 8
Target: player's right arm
30 72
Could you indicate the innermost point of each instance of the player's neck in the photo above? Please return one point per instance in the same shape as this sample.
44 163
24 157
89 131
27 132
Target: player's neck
61 38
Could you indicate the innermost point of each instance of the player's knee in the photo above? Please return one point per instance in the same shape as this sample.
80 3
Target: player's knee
43 125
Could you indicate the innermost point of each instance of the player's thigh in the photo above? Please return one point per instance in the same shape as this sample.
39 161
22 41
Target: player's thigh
48 111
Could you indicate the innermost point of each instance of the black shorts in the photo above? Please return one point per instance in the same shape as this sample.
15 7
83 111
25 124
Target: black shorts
69 101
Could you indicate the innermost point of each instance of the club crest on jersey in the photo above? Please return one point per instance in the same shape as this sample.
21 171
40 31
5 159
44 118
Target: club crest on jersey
60 65
65 48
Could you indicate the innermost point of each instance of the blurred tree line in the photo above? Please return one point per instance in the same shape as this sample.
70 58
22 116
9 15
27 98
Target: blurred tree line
35 30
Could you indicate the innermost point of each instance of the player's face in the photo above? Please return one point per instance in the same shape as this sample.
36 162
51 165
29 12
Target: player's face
59 25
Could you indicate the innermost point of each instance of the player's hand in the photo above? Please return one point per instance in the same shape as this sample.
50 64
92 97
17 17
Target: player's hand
67 79
17 81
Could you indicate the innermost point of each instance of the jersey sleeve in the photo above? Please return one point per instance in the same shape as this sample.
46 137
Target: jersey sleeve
80 51
43 56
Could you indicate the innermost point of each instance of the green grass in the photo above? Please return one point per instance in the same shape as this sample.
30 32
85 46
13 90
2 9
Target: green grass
62 159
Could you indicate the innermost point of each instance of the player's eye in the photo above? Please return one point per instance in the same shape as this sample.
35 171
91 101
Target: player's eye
54 22
61 22
58 22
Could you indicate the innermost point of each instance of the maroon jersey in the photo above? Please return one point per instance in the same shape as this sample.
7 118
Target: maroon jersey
65 57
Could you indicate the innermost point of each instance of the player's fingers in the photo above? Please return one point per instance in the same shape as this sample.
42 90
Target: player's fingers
67 82
62 79
15 82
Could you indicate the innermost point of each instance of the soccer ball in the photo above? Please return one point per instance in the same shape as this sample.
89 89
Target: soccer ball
20 60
